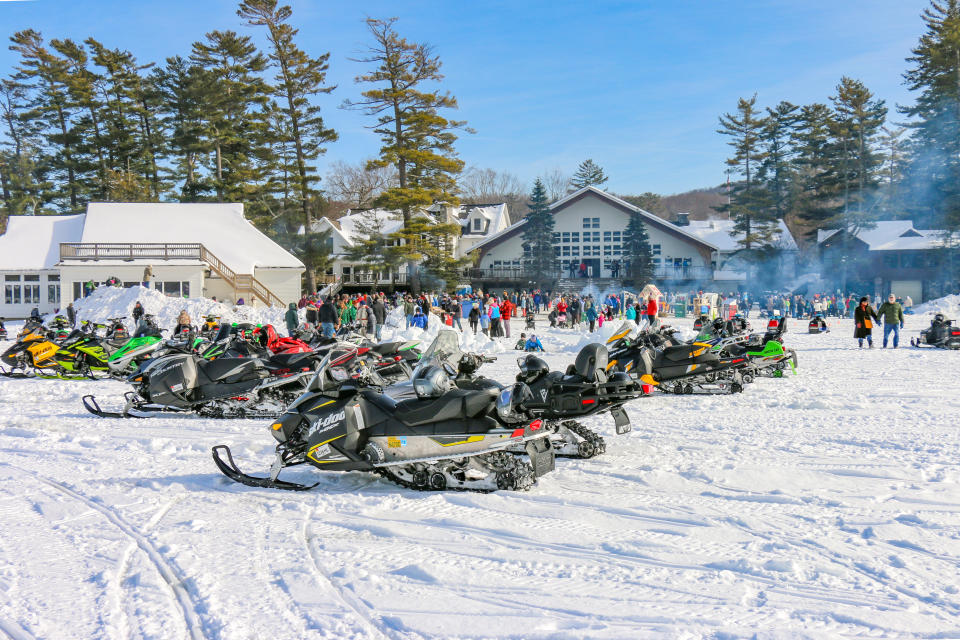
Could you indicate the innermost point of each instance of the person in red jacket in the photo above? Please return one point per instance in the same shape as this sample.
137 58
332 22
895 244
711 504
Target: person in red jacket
652 310
506 311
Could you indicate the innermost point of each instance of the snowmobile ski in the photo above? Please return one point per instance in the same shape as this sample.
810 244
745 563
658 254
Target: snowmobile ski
230 469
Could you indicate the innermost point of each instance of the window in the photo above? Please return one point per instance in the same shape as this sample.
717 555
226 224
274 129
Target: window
586 223
53 293
606 236
53 277
15 278
616 236
478 224
566 236
656 262
31 294
77 290
596 223
11 294
596 250
575 236
607 250
655 249
31 277
575 250
176 289
596 236
890 260
566 250
346 270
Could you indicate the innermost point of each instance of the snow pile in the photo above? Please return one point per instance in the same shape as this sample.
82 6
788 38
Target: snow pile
947 305
394 330
113 302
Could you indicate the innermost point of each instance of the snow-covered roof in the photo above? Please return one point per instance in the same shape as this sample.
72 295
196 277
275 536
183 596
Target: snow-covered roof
33 242
495 214
720 233
221 228
350 224
603 195
894 235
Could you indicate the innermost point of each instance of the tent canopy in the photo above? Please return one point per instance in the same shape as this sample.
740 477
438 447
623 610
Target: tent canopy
651 290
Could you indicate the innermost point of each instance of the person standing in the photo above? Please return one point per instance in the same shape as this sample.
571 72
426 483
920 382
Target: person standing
328 319
907 303
592 315
137 312
291 319
863 318
408 308
474 316
71 315
506 310
380 315
147 275
891 314
652 311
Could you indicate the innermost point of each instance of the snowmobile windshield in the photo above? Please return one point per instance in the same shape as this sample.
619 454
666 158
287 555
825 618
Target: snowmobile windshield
625 330
332 370
444 350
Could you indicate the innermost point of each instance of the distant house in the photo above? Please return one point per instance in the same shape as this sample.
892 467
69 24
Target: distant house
893 256
727 263
589 229
192 249
476 222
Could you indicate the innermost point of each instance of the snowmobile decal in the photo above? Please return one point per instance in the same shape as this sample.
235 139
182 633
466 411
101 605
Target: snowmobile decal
455 440
331 421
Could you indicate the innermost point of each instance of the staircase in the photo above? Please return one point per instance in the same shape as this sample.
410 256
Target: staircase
244 285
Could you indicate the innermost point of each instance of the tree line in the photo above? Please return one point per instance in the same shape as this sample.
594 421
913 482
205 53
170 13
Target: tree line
847 161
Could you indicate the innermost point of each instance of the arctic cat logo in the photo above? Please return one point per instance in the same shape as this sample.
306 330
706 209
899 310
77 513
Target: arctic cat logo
543 394
329 422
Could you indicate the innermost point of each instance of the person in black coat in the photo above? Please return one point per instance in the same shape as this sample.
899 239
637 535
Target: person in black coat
864 319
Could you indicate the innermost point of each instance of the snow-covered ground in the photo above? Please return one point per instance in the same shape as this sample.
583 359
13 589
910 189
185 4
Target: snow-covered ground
821 505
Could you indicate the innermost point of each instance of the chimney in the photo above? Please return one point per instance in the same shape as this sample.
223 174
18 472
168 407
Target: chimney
683 220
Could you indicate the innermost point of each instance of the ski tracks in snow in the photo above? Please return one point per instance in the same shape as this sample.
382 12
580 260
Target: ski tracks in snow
180 595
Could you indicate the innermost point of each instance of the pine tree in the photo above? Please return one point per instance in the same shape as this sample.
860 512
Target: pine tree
299 78
538 246
416 138
373 246
892 144
640 271
776 170
180 112
858 118
750 203
817 177
20 172
588 174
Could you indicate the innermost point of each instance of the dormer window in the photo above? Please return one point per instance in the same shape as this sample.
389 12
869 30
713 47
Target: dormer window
478 224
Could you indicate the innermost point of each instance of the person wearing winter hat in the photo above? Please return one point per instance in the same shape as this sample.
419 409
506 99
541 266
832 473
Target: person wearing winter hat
862 321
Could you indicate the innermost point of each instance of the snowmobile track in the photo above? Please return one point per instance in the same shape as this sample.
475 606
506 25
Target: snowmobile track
362 612
179 593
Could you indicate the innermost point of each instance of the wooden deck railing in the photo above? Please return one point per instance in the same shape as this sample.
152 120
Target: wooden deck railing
243 285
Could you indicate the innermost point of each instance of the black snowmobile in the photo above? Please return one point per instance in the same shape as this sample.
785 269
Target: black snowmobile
659 360
558 398
442 439
941 334
221 388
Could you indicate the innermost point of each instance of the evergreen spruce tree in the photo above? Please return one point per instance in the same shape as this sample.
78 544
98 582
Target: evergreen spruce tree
416 139
777 169
588 174
180 114
935 117
817 174
639 271
750 203
539 255
299 79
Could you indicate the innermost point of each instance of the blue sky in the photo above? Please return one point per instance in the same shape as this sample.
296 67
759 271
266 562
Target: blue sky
637 86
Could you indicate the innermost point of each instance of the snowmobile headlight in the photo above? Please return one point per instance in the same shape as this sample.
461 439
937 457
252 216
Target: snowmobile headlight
505 404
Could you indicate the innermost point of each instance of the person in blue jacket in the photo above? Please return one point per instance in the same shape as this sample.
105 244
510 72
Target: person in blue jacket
419 320
533 344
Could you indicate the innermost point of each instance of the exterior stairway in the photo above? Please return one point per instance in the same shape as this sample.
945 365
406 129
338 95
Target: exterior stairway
578 285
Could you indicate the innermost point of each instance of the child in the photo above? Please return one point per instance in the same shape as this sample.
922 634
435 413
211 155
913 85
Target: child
521 343
533 344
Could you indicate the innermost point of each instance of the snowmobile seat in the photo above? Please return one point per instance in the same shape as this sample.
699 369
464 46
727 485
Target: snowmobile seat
290 361
676 354
453 405
231 370
385 348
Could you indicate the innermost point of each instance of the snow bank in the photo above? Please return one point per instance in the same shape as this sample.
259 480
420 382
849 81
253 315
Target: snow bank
112 302
947 305
394 330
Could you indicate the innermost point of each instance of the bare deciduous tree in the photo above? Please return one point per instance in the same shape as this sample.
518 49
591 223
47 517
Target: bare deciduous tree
481 186
357 185
556 182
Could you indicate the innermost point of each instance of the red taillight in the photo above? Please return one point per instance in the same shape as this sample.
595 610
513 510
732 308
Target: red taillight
955 332
240 398
589 401
362 350
397 358
536 424
647 388
737 360
516 433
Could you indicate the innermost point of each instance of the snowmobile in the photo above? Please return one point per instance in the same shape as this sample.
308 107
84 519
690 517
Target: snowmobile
765 353
33 351
941 334
221 388
210 327
443 439
701 322
557 398
116 329
817 324
656 360
3 330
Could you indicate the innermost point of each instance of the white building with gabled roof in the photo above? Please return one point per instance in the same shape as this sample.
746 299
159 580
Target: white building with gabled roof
728 267
476 221
589 230
192 249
